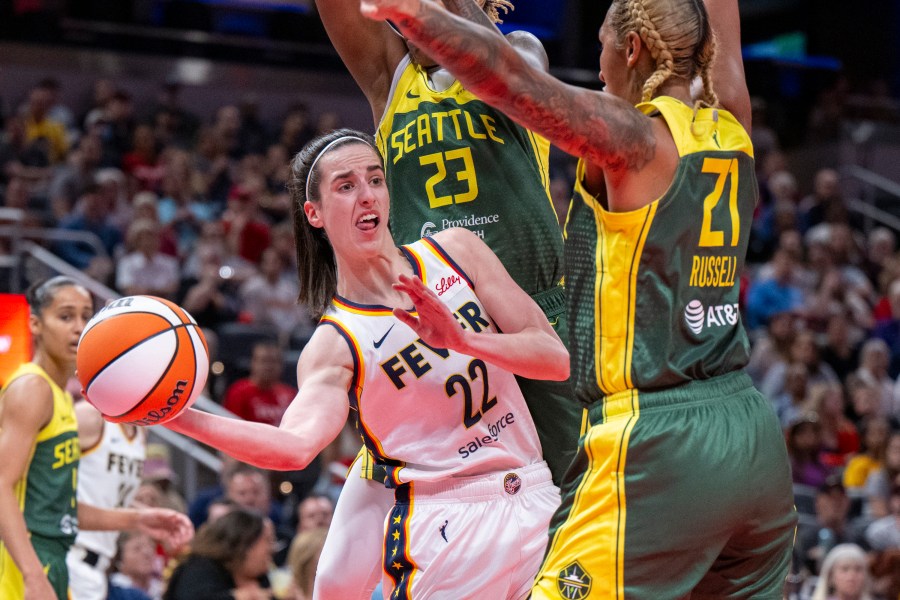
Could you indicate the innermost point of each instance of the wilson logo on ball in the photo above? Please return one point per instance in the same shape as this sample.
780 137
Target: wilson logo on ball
142 360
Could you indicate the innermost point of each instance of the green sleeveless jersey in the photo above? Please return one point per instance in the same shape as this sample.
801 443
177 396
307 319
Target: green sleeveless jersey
46 491
653 293
453 161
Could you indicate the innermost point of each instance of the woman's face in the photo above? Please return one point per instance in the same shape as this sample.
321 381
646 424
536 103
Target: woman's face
353 205
612 61
138 555
848 577
60 324
259 556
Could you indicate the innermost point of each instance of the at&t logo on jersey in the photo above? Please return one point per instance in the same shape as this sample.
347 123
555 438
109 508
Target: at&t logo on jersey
697 317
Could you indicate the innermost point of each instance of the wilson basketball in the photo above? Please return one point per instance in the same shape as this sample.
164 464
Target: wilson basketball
142 360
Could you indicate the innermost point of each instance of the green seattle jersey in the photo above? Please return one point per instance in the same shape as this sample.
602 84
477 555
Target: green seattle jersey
453 161
653 293
46 491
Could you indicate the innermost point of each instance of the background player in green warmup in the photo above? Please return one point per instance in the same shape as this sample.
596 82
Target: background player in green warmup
452 161
685 487
39 514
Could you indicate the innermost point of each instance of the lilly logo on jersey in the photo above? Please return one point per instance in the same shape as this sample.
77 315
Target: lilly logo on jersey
446 283
696 316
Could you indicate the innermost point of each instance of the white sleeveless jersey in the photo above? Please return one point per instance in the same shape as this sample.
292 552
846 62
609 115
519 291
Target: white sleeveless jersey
108 477
429 413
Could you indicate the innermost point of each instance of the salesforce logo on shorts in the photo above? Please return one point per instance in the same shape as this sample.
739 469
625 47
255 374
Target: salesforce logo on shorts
696 316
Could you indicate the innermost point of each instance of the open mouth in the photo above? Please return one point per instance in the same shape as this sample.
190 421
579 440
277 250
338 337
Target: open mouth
368 222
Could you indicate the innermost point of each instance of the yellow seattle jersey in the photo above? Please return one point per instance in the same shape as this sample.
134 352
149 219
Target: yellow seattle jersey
653 293
453 161
46 491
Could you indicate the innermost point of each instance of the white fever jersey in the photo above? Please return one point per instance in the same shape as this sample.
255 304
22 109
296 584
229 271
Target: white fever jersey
108 477
429 413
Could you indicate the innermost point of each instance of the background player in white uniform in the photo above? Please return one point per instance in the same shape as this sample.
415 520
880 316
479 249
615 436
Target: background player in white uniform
109 474
473 494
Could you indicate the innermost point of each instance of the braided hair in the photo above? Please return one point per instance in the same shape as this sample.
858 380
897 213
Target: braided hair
679 37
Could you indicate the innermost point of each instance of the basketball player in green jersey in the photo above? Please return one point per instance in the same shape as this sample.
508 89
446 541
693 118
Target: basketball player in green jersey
39 514
685 488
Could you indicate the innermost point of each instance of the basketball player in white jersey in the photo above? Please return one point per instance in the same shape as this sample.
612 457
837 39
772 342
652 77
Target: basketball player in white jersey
407 344
109 474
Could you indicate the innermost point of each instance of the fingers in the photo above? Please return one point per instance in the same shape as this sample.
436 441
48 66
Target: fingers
406 318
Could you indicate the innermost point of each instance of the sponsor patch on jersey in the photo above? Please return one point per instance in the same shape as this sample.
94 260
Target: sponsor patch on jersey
573 582
698 317
428 229
512 483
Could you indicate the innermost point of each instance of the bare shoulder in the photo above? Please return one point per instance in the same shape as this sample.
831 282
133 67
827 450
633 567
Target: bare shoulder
326 349
90 424
28 399
530 48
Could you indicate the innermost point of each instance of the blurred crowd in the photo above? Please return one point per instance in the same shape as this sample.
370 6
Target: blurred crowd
194 208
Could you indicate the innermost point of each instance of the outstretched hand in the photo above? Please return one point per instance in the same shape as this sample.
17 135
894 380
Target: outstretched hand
435 323
168 527
380 10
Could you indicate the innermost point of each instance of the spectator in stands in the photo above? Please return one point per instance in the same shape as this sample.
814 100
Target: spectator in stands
881 245
261 397
830 528
136 566
804 444
252 134
875 431
211 297
303 558
212 162
182 206
880 482
283 243
314 512
40 127
773 345
142 163
145 270
775 295
804 350
841 347
889 329
71 180
792 403
247 235
296 129
227 125
845 575
19 157
118 128
873 371
826 193
884 533
93 217
840 438
270 298
229 558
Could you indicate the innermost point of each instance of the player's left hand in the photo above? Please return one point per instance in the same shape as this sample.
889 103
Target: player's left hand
435 323
380 10
168 527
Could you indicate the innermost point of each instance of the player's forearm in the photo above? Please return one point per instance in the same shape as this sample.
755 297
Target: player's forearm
530 353
93 518
14 535
257 444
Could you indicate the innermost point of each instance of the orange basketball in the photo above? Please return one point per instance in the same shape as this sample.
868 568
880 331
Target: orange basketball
142 360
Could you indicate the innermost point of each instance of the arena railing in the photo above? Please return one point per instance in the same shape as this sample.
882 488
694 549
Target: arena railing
871 185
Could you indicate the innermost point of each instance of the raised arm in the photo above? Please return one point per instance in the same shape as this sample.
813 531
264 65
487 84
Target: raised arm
311 422
527 346
728 77
599 127
369 49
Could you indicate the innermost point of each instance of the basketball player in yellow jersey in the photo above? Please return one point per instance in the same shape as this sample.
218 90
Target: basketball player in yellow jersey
685 488
39 513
